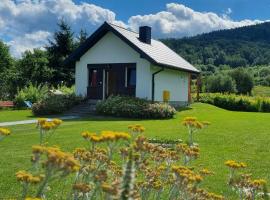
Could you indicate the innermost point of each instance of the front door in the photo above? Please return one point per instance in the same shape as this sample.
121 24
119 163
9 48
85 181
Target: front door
95 85
112 82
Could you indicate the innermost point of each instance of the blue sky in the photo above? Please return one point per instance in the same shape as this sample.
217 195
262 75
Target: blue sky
28 24
242 9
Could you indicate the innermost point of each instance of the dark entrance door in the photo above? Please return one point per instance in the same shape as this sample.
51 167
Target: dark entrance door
112 82
95 85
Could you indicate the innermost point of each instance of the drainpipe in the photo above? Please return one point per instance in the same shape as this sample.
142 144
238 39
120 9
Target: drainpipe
153 83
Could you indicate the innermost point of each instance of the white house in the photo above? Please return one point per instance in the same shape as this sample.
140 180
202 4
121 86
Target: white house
114 60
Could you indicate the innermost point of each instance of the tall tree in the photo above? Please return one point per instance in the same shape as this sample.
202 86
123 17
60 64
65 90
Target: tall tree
58 50
6 72
33 68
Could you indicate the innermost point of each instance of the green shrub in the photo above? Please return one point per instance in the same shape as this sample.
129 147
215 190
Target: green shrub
124 106
65 89
32 93
55 104
237 102
220 83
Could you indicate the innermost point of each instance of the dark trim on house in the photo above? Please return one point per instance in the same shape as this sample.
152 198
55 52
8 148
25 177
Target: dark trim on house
99 33
115 72
153 83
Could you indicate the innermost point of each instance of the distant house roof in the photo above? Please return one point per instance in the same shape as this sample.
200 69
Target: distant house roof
157 53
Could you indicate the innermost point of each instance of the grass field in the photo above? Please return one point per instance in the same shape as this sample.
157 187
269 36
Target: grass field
15 115
232 135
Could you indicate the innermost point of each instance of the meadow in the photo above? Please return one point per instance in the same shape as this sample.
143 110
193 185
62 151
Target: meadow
240 136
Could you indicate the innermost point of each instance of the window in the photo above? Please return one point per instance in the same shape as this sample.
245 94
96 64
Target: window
130 77
93 78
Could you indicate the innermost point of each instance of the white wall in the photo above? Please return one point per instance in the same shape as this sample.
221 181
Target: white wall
172 80
111 49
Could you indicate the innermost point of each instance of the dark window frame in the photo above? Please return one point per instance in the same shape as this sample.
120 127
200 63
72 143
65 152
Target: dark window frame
128 76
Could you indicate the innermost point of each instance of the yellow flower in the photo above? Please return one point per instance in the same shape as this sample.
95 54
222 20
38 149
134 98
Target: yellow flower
4 131
41 121
187 174
82 187
37 149
235 165
61 160
205 172
57 122
258 183
137 128
24 176
32 198
193 122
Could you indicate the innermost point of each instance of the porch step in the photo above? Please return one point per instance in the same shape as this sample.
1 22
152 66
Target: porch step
85 108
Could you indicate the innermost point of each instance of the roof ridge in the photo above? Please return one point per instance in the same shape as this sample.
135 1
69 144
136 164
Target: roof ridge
121 27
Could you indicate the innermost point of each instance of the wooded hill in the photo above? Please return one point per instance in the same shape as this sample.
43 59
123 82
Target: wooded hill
240 47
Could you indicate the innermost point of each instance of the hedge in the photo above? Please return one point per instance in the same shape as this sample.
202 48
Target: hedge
237 102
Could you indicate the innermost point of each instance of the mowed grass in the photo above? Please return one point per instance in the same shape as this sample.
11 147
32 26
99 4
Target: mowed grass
15 115
232 135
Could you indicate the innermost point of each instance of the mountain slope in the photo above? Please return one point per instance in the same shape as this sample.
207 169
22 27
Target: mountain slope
245 46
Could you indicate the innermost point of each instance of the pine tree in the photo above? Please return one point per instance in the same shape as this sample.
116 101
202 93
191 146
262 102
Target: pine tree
58 50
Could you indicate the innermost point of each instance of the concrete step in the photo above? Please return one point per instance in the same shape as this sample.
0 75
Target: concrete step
85 108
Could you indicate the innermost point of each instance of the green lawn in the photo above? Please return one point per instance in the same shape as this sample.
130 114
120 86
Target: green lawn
232 135
15 115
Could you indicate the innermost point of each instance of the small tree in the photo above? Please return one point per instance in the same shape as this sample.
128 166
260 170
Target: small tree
220 83
244 81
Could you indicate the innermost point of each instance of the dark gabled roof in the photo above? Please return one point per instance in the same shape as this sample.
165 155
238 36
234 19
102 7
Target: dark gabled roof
157 53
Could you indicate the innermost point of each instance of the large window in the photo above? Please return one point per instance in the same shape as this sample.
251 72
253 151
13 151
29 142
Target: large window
130 77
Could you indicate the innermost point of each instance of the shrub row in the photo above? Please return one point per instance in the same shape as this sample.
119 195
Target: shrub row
237 102
124 106
55 104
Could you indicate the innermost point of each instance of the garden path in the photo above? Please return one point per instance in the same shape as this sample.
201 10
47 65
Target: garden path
33 121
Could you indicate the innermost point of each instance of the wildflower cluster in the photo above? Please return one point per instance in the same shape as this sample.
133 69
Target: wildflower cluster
105 136
4 132
46 128
189 152
26 177
137 128
235 165
49 162
246 187
47 124
146 171
193 125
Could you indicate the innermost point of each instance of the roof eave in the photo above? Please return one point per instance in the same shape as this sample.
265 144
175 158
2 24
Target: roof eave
177 68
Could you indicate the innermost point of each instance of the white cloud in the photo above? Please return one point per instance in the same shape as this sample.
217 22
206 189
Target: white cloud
28 41
28 17
27 24
179 20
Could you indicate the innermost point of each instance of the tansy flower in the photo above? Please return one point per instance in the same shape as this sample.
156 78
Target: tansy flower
57 122
205 172
4 131
82 187
235 165
137 128
258 183
34 198
24 176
